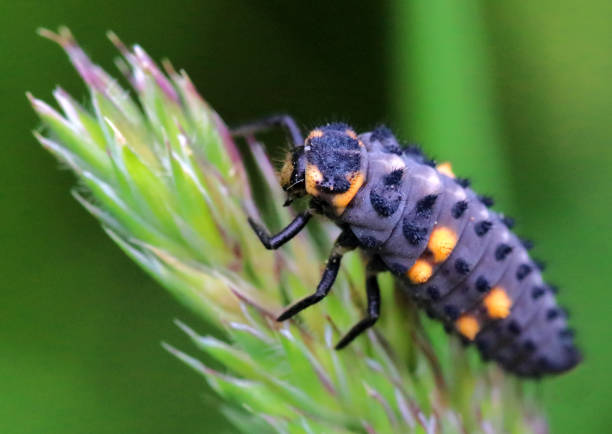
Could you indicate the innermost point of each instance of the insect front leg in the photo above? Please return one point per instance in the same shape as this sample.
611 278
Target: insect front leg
345 242
286 121
272 242
373 311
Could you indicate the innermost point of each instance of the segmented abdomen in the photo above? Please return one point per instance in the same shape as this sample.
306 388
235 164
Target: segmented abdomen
458 259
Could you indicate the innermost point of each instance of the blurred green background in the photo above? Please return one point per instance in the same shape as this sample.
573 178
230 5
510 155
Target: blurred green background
517 94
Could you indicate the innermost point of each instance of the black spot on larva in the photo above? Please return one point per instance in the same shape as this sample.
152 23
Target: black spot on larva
537 292
430 163
451 311
385 196
384 135
482 284
414 234
486 201
393 178
461 266
368 242
463 182
382 207
459 208
529 346
413 150
425 205
523 271
501 251
540 265
514 327
381 133
552 314
482 227
508 222
392 147
527 244
566 333
434 293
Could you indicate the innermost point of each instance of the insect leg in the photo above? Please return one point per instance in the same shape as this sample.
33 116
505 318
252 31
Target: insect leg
270 122
373 293
345 242
272 242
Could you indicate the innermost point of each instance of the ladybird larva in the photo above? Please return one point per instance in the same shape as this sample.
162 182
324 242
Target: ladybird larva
458 259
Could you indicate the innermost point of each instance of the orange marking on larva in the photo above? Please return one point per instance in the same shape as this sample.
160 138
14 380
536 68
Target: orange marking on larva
497 303
351 133
315 133
468 326
446 169
420 272
340 201
313 177
441 243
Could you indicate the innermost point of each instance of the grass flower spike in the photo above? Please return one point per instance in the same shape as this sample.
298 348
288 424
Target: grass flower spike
158 168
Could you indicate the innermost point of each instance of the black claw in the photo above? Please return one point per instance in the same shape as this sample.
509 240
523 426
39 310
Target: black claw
300 306
340 345
359 328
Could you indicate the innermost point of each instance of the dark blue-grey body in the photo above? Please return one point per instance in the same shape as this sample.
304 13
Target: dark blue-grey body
403 199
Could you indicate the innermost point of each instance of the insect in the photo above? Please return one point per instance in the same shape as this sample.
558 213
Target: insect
455 257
